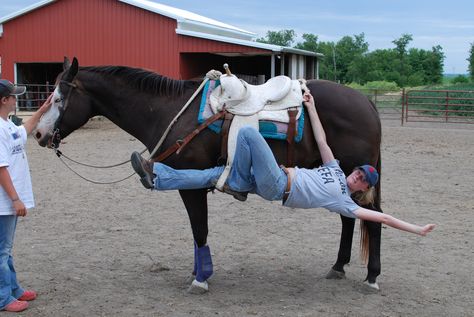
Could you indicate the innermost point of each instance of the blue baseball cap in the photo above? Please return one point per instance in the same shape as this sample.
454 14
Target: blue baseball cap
371 174
8 89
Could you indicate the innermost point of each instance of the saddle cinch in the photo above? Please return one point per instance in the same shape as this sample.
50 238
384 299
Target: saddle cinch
279 99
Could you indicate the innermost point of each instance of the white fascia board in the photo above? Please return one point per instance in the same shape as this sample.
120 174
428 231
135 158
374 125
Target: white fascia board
198 27
25 10
264 46
213 37
300 52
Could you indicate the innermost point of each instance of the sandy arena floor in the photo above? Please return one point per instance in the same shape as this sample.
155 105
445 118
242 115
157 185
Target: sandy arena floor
119 250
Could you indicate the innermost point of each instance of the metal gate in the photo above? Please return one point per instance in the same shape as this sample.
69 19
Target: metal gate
34 97
387 102
448 106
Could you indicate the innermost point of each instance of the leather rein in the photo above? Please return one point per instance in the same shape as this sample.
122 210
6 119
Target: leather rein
175 148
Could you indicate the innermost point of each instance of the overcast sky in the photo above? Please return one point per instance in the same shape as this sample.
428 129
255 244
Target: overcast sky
431 22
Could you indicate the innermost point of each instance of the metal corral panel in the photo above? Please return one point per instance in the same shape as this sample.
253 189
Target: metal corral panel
101 32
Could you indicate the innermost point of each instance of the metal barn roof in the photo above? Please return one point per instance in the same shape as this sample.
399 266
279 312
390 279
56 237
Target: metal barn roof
188 24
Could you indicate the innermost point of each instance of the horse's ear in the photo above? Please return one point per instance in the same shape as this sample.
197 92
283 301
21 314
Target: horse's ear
72 71
75 64
66 63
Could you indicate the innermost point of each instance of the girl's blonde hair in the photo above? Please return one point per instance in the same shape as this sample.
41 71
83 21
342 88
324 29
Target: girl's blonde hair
364 198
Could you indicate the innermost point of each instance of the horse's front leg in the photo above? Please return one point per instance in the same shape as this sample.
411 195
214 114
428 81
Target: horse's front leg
195 202
345 245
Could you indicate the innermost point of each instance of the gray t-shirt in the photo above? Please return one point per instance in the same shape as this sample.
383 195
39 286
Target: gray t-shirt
325 187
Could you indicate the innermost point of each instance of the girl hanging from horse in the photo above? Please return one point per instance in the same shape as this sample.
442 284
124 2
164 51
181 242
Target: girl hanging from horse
255 170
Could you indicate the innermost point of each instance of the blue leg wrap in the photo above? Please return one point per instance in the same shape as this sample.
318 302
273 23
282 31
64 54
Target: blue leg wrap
204 264
195 259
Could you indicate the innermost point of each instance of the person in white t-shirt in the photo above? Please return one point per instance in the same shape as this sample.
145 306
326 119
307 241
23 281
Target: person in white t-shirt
16 194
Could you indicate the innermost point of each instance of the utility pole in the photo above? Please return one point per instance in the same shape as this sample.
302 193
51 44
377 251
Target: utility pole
334 61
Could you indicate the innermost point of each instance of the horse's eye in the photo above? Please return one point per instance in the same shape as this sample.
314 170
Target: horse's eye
58 100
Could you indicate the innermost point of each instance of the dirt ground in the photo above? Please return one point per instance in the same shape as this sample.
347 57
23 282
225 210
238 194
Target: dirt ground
119 250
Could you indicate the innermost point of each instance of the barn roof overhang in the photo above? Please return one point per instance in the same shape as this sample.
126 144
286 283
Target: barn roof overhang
272 49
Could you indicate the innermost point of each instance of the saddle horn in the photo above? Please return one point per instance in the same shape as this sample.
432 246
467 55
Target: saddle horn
227 69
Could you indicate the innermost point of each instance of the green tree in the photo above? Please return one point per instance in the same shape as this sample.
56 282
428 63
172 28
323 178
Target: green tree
342 60
401 48
282 37
328 66
460 79
471 62
426 66
310 43
327 63
433 65
382 66
350 51
402 43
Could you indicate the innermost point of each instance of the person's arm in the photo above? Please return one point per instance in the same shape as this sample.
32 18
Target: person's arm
318 130
7 185
375 216
30 125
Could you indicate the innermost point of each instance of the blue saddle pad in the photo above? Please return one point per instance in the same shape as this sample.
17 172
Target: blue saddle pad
268 129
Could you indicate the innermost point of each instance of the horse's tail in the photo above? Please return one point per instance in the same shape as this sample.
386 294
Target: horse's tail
364 230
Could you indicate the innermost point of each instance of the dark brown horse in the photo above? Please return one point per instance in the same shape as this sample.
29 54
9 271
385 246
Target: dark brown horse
143 104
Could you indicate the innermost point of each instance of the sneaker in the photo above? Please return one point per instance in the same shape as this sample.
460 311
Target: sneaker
16 306
144 169
28 296
240 196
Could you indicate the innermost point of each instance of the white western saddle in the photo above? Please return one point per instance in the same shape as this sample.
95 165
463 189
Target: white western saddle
251 103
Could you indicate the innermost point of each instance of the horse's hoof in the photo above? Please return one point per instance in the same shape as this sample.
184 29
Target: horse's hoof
335 275
198 288
372 286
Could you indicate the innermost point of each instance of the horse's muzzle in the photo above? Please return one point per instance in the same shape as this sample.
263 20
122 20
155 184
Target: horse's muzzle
43 140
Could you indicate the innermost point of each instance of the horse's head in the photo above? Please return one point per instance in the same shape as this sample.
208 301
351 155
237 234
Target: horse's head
65 115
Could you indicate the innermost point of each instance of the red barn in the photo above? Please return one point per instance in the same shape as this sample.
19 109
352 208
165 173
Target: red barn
137 33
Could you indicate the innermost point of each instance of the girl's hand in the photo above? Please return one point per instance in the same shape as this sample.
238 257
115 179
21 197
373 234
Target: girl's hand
427 229
20 208
46 105
308 99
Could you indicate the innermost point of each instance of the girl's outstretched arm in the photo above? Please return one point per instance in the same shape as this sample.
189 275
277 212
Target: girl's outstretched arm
375 216
318 130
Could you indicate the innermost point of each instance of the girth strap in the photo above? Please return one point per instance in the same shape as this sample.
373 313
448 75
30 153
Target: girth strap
290 136
180 144
225 137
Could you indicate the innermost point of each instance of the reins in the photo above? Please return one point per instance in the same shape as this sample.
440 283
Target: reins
165 134
93 181
57 138
59 154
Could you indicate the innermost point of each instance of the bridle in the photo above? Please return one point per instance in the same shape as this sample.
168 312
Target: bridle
56 136
56 140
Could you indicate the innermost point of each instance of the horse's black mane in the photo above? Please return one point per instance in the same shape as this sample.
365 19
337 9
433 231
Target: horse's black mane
142 80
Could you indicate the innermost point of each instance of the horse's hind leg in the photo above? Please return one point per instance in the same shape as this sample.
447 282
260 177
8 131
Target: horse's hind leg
195 202
373 267
344 254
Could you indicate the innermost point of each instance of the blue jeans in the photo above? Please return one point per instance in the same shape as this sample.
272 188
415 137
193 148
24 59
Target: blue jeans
9 288
254 170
